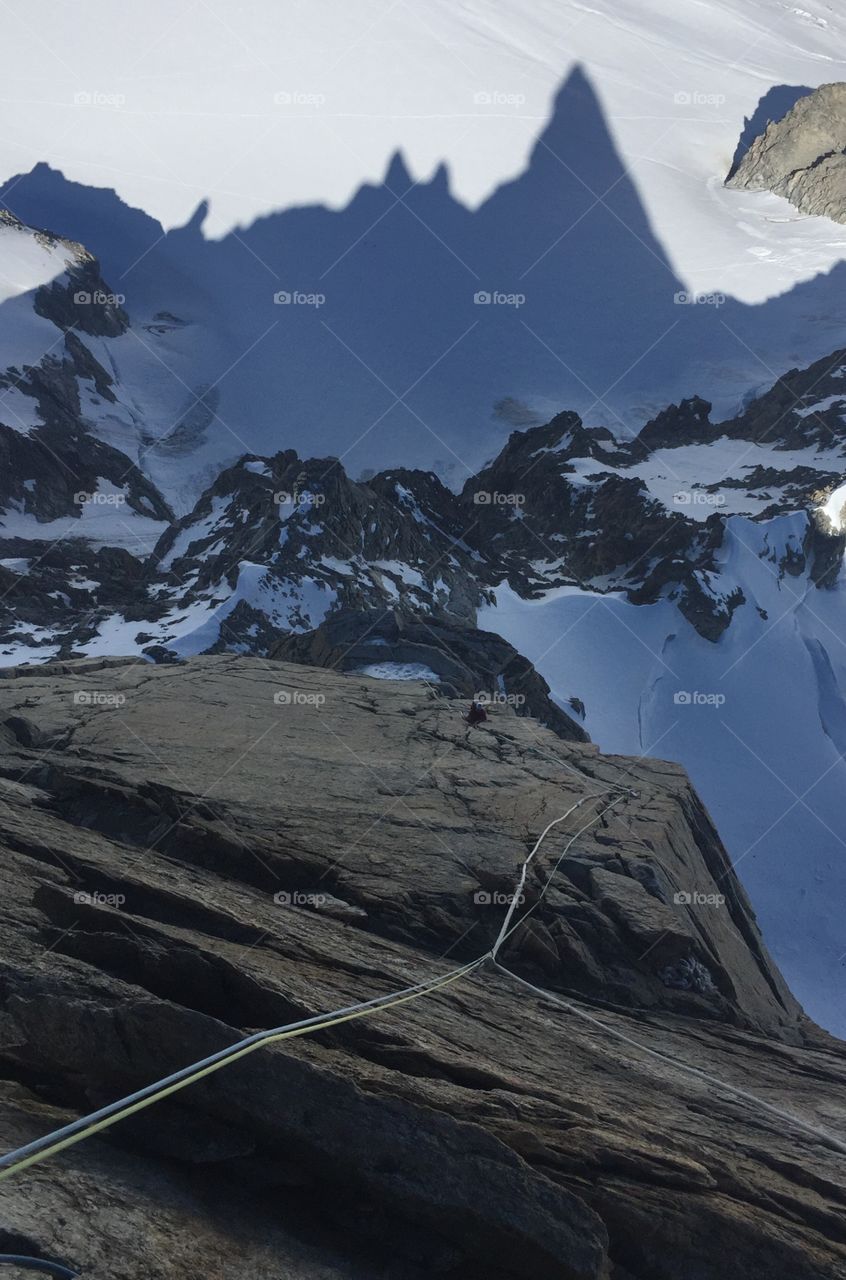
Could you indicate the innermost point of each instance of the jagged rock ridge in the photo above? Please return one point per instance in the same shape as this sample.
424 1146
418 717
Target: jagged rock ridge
277 545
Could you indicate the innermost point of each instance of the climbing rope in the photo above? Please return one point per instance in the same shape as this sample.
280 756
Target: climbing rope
823 1135
38 1264
86 1126
52 1143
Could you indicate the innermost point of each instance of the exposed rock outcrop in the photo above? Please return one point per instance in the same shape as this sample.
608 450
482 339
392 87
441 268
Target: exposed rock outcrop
232 843
802 155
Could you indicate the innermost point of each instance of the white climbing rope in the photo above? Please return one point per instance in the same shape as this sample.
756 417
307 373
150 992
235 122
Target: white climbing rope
86 1126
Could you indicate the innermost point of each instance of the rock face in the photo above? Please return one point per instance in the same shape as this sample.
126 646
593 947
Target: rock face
802 155
197 850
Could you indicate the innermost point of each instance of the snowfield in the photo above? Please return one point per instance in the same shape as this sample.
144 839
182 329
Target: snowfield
399 671
325 93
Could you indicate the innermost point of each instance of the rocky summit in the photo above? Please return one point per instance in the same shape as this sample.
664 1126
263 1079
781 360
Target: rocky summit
196 851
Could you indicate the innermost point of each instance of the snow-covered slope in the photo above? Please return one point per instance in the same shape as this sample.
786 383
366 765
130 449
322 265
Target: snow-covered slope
71 359
564 160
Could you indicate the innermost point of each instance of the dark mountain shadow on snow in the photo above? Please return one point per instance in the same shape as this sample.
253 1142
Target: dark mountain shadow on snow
400 364
773 107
